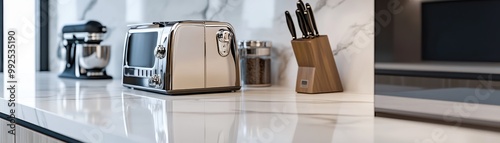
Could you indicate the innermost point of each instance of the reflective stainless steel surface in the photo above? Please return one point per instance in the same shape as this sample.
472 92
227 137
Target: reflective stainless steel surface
93 56
135 77
188 56
191 62
223 70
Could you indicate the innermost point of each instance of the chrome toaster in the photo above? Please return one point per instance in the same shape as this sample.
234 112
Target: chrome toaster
181 57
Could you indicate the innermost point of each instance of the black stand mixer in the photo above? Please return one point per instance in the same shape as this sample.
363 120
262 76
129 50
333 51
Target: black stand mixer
82 52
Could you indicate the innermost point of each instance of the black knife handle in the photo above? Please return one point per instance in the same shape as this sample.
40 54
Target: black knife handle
300 18
300 5
290 24
313 20
305 21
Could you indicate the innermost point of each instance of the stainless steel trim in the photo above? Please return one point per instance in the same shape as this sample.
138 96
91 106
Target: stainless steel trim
236 55
251 52
84 35
168 60
255 44
145 88
186 91
142 26
131 31
158 67
255 48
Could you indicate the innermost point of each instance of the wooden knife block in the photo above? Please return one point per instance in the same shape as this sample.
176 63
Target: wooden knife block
317 69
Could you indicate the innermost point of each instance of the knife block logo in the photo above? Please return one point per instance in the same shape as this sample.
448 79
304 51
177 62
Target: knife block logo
304 83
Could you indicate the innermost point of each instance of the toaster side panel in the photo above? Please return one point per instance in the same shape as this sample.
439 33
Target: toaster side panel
222 71
188 56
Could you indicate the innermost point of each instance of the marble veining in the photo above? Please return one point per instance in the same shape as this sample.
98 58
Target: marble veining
216 8
327 3
88 7
363 28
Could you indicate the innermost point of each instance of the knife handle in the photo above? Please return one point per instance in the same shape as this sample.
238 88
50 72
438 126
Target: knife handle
300 5
313 20
290 24
300 18
307 21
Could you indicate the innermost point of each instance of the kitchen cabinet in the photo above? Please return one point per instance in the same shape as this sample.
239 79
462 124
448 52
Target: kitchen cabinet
23 135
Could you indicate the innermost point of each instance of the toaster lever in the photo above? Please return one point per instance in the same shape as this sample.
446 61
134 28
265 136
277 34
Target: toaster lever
224 35
224 38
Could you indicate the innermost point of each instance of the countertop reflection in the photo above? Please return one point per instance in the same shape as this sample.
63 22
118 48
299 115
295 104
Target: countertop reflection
104 111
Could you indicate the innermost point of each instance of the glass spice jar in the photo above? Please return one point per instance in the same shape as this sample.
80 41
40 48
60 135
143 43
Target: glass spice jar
255 60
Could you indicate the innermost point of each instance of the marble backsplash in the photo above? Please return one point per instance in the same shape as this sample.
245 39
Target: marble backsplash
348 23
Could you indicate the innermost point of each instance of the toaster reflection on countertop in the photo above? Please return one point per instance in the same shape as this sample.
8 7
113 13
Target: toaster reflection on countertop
178 119
214 118
181 57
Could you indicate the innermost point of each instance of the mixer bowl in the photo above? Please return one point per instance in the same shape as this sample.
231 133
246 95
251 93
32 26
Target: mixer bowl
93 56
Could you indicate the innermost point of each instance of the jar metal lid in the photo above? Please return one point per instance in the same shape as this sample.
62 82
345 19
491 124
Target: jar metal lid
255 48
255 44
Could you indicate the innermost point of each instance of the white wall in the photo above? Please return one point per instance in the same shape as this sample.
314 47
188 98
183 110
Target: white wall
348 23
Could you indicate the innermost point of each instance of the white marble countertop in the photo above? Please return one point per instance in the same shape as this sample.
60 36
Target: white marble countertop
104 111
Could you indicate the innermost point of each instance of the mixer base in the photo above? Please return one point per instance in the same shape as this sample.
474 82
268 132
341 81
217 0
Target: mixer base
68 73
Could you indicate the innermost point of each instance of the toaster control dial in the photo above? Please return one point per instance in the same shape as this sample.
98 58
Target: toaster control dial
160 52
155 80
224 39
